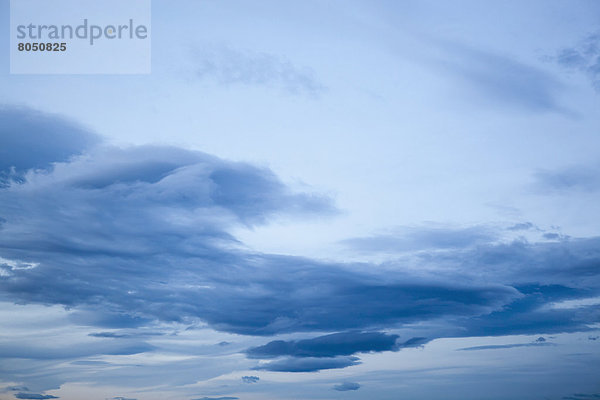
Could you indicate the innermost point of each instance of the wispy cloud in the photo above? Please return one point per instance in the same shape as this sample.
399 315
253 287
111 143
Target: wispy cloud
540 342
581 178
218 398
35 396
229 66
501 79
583 57
423 238
582 396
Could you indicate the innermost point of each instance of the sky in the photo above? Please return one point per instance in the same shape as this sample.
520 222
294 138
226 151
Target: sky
310 200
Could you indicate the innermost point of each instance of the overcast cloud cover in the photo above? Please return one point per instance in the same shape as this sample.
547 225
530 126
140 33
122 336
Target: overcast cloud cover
399 201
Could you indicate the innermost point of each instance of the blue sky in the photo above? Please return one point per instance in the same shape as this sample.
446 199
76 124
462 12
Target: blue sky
310 200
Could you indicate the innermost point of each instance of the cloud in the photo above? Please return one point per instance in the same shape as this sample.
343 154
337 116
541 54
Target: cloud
582 396
346 386
523 226
583 57
541 341
229 66
122 398
16 389
337 344
327 351
218 398
308 364
34 396
22 349
130 236
581 178
31 139
138 236
501 79
250 379
422 238
117 335
414 342
507 346
90 362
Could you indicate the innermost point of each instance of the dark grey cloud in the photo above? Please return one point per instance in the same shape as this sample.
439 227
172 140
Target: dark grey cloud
35 396
31 139
308 364
250 379
414 342
122 398
334 350
229 66
581 178
583 57
346 386
337 344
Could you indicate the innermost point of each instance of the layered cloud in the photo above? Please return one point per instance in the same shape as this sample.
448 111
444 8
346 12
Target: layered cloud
131 238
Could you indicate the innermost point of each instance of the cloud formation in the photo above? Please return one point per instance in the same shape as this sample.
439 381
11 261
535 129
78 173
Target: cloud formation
308 364
131 237
218 398
250 379
577 178
583 57
422 238
229 66
501 79
507 346
35 396
337 344
346 386
33 140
